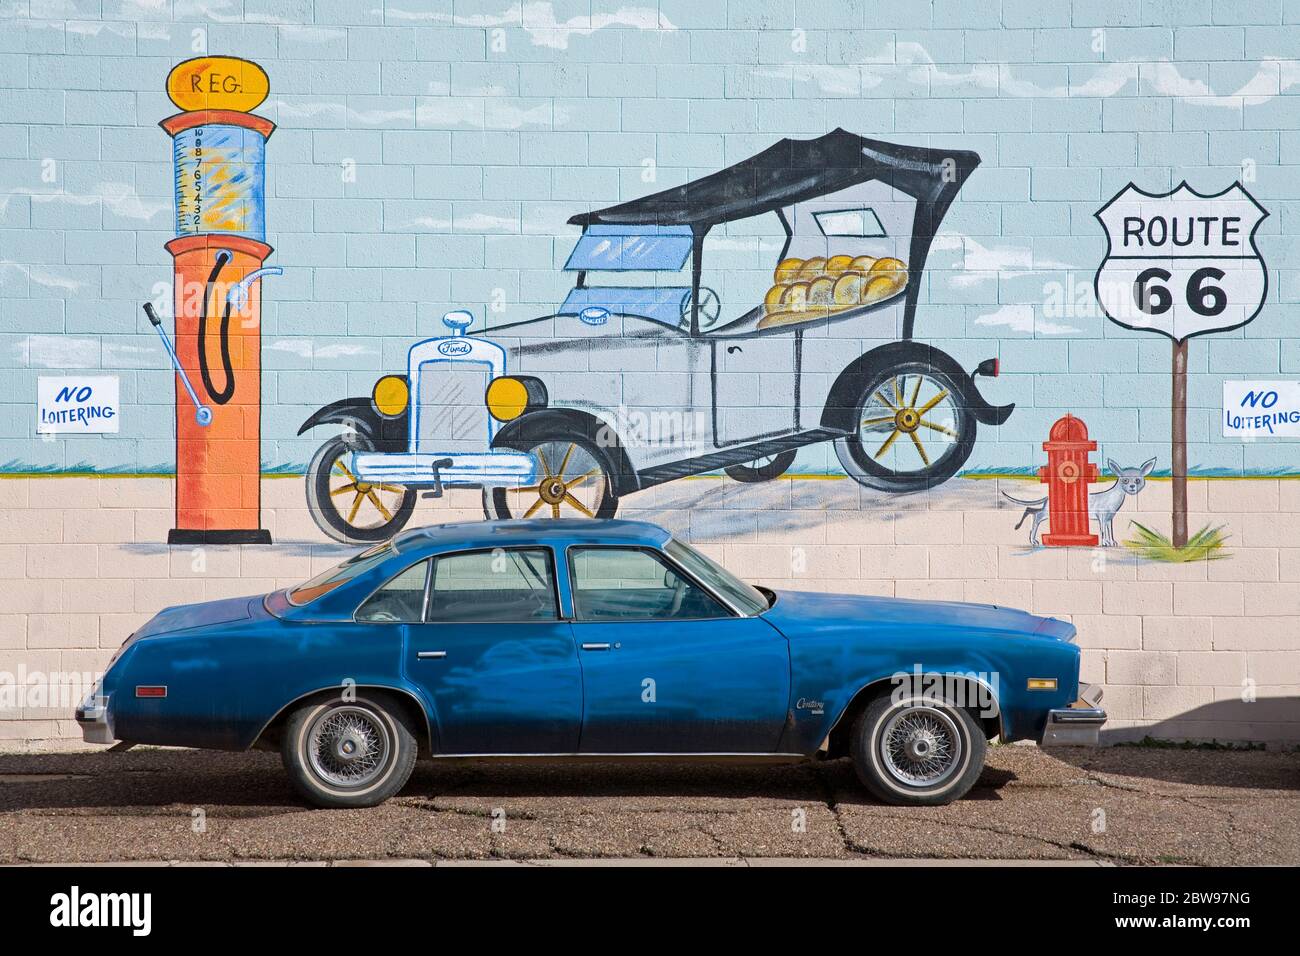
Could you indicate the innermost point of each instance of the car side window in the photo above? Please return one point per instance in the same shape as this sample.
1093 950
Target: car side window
635 584
501 585
400 601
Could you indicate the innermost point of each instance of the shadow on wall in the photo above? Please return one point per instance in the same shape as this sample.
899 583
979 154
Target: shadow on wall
1268 720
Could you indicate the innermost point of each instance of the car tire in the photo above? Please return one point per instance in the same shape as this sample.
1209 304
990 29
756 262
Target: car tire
316 745
895 774
761 469
321 498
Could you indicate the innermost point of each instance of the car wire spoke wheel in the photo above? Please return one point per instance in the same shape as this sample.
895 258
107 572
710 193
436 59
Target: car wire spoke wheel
348 747
572 480
920 747
911 429
910 749
349 509
350 753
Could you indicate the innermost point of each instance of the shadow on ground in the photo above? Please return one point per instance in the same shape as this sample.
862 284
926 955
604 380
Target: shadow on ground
1139 805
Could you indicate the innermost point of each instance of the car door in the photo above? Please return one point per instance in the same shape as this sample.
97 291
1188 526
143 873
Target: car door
494 656
754 388
666 667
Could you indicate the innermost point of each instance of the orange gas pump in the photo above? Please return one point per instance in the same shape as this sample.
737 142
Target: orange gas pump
219 254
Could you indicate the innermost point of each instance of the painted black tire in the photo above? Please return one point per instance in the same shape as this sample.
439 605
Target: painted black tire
861 455
346 754
323 502
897 776
577 459
772 468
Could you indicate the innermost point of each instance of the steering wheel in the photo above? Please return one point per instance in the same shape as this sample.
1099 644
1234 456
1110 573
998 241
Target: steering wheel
679 592
710 307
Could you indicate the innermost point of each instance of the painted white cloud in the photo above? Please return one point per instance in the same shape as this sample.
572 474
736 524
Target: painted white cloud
57 351
305 348
1024 318
979 260
538 20
42 277
120 198
1164 78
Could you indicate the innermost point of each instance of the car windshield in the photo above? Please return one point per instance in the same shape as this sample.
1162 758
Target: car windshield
631 249
748 600
340 574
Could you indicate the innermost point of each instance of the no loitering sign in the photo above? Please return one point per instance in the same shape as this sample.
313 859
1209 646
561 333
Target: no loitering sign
1261 410
86 405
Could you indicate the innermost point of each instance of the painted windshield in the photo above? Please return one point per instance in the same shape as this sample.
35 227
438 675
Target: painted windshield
631 249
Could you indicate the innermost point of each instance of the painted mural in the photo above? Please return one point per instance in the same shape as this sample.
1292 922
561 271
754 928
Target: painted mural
878 307
747 389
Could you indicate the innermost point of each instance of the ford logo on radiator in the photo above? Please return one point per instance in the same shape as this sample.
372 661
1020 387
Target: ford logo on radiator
455 347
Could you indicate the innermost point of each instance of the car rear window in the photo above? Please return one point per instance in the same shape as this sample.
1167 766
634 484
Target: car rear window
340 574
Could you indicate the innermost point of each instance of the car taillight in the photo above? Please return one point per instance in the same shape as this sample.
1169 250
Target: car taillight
151 690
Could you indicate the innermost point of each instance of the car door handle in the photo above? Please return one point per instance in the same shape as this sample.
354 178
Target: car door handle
430 655
595 647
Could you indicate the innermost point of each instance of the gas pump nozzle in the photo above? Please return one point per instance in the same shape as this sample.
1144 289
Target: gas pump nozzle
202 413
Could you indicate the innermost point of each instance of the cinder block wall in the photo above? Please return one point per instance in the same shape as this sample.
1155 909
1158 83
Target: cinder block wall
427 157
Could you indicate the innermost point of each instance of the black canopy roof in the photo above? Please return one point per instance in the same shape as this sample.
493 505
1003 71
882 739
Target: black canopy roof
793 170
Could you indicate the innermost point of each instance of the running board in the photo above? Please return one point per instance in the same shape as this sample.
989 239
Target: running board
734 456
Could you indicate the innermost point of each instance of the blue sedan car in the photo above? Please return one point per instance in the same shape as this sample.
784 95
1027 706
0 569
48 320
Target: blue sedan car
587 639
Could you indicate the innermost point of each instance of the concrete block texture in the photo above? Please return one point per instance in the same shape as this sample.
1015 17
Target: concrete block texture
431 159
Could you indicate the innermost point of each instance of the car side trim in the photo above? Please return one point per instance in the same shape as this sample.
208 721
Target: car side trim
646 755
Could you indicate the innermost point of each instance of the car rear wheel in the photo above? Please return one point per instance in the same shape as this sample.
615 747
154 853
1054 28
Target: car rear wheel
350 510
574 480
346 754
913 429
761 469
917 750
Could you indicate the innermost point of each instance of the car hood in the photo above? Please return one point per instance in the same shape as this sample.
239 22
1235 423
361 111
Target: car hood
797 612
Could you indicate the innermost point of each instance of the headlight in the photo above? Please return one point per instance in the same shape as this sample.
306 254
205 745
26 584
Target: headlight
508 397
391 396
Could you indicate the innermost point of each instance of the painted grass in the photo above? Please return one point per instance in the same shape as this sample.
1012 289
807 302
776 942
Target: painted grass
1206 545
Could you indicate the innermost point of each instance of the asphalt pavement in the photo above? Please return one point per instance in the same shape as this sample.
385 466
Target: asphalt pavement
1113 805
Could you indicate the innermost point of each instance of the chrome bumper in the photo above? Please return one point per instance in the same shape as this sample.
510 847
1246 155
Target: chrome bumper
489 468
96 726
1077 726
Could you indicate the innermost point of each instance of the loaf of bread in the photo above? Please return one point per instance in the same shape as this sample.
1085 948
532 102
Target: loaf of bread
805 289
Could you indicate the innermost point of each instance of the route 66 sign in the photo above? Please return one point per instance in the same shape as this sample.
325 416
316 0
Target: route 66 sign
1181 263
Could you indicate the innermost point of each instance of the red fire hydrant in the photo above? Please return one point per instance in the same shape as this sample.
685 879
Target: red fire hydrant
1068 474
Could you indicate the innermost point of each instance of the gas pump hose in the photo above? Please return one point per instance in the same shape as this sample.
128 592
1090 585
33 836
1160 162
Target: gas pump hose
228 390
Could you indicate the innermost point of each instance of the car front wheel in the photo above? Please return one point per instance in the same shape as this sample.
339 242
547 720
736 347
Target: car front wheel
348 753
574 480
917 750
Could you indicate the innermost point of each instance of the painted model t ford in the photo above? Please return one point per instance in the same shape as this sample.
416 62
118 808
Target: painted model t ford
587 639
643 374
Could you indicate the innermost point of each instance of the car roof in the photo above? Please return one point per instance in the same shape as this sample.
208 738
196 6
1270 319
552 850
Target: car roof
492 534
